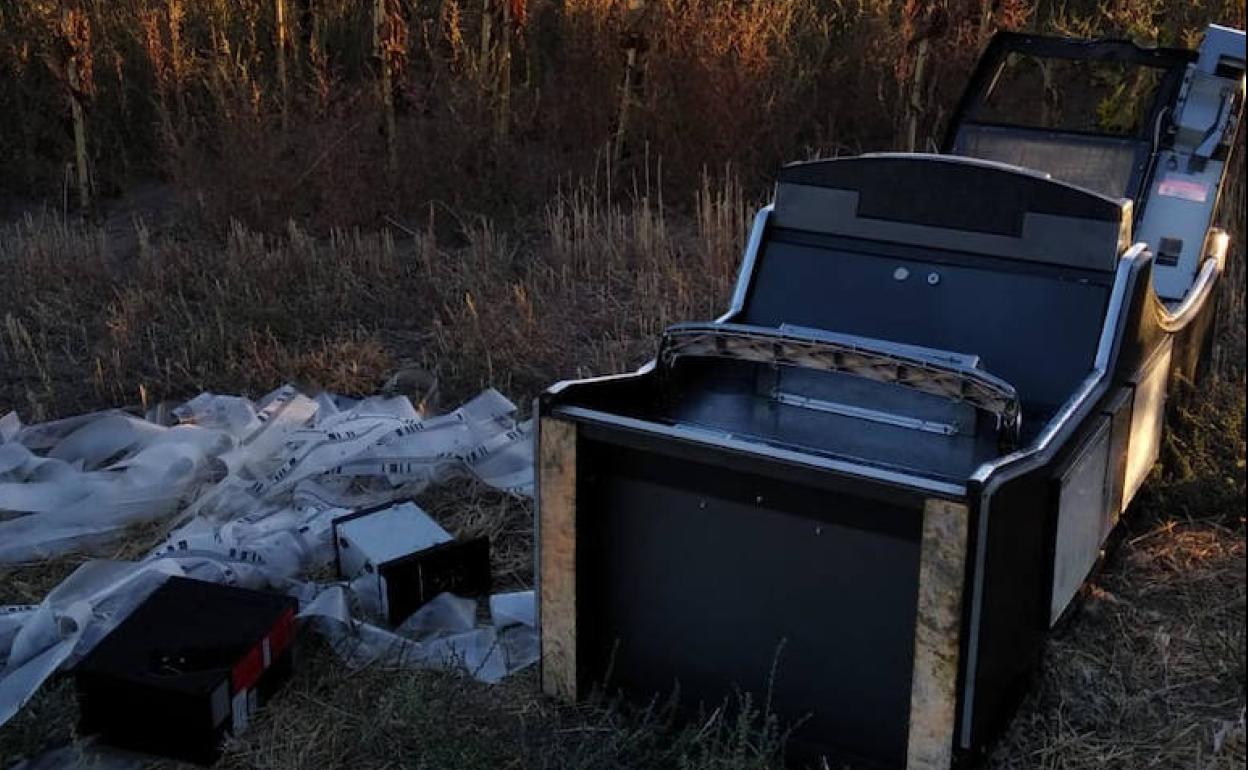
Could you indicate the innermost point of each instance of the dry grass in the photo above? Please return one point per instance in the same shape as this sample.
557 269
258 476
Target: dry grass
585 292
489 117
1150 674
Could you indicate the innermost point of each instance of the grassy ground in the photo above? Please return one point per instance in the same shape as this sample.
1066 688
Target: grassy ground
1149 674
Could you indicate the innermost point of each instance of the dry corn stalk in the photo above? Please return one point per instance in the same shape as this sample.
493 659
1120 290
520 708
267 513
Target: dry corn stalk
494 58
915 103
385 30
176 13
921 22
487 27
985 22
280 44
502 114
634 42
79 79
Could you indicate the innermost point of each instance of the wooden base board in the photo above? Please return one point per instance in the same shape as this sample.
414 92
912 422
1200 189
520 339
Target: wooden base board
556 535
933 692
933 697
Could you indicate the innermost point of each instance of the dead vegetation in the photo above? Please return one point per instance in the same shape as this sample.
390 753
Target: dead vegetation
587 291
1150 672
571 177
345 113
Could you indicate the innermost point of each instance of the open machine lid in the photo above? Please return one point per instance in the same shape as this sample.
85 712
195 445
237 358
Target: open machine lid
1153 125
1087 112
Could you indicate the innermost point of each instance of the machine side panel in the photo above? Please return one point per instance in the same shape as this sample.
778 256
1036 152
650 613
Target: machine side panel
716 583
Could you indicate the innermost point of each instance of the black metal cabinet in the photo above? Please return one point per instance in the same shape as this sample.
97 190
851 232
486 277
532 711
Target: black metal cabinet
866 493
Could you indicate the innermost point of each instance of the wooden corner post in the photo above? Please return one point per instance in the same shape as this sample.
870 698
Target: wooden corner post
937 630
556 517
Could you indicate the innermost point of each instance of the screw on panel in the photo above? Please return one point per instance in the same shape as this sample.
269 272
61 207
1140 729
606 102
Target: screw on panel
933 279
901 274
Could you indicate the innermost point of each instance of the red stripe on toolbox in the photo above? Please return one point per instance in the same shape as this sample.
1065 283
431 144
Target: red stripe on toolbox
247 670
282 633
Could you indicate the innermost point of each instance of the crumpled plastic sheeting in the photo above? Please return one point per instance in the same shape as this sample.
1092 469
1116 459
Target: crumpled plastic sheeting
74 616
259 486
75 498
73 483
442 634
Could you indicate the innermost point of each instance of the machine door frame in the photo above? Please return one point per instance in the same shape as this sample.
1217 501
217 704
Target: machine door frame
1174 62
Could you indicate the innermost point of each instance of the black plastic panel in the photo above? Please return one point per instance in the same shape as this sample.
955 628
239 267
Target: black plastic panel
163 680
458 567
695 577
948 193
1037 331
1017 576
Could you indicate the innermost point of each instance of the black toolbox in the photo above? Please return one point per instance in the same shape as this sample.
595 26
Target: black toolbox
188 667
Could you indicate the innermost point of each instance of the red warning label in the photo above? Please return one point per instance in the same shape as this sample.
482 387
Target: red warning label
1186 188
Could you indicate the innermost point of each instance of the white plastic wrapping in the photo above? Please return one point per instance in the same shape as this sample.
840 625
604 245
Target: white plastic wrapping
73 483
74 616
440 635
255 487
64 502
516 608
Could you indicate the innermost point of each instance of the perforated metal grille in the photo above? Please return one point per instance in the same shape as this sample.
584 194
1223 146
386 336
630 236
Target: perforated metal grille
1102 166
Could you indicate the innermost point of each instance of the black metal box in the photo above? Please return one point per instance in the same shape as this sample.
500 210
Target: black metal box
189 666
866 493
399 553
